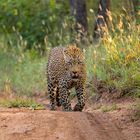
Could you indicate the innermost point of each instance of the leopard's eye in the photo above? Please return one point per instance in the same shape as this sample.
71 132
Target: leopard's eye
80 62
69 63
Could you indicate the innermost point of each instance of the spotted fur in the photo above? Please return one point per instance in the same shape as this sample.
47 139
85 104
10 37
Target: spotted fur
66 69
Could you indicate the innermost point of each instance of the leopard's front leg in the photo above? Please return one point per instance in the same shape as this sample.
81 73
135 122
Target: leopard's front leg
51 92
80 91
64 96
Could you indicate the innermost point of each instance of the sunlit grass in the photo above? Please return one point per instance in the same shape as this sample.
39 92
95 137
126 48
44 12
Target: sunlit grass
116 61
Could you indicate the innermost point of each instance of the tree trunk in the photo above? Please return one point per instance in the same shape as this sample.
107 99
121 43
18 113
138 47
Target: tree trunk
78 10
102 18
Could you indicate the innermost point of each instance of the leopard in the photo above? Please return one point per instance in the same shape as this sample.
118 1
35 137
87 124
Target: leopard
66 69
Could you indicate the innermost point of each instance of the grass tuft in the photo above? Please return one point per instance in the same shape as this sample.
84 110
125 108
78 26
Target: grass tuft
20 102
109 108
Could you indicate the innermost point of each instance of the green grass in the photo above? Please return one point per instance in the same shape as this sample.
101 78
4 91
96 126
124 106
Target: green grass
20 102
23 72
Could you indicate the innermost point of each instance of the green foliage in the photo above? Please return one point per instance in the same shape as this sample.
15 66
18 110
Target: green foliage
44 21
34 20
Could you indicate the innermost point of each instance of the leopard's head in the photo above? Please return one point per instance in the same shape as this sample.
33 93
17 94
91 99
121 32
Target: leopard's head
74 59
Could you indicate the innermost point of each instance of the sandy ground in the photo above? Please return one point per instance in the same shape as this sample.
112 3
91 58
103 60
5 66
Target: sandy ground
25 124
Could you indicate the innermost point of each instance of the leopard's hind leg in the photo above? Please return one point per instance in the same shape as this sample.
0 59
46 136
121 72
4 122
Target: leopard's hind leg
52 95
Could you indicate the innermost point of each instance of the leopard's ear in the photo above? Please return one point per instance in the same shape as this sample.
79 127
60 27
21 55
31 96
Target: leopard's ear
66 56
83 53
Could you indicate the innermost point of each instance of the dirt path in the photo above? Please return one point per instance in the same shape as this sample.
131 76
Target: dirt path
23 124
91 124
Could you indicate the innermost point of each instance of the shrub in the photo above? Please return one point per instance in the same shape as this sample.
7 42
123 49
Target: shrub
116 60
